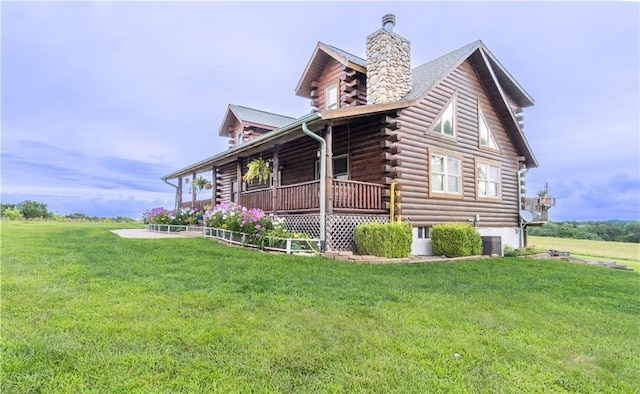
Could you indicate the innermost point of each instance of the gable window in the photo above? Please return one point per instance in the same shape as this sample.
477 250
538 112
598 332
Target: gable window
446 174
340 167
486 136
446 124
239 135
331 97
488 180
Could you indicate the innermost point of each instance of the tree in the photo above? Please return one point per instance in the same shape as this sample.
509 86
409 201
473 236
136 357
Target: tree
4 206
12 213
33 209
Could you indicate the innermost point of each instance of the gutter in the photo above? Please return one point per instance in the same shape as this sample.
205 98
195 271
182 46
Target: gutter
323 182
176 187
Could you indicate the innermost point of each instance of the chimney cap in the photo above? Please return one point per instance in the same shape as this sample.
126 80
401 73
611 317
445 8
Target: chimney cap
388 22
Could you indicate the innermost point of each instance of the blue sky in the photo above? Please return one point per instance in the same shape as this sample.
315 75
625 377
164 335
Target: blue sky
101 99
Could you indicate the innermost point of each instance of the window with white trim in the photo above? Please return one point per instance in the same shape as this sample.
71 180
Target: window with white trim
446 174
446 124
239 137
486 136
423 232
340 167
331 97
488 180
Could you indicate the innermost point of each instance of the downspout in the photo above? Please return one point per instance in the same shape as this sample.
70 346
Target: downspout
520 219
323 182
176 187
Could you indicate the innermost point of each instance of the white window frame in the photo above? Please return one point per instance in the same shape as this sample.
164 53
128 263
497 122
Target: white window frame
489 181
239 137
423 232
446 175
342 175
491 141
452 103
329 104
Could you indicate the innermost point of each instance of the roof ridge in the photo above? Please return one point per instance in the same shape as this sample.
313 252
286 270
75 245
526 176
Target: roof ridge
259 110
342 50
475 43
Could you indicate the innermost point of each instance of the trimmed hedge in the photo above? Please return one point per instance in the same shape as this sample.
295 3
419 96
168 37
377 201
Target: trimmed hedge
455 240
391 240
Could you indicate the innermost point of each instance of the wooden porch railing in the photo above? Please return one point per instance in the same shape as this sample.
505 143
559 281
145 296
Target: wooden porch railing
301 196
356 195
261 198
347 195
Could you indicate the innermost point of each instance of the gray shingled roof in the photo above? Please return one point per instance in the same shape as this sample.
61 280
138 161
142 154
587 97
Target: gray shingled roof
350 57
260 117
428 74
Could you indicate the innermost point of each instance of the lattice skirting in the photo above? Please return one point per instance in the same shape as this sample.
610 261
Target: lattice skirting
339 227
307 224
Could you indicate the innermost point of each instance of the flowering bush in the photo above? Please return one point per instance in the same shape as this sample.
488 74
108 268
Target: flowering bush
235 217
183 216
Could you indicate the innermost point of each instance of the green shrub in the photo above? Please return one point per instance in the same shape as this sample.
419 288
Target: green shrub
509 251
455 240
392 240
12 213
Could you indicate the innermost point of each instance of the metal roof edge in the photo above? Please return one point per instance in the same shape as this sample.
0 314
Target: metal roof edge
509 76
513 117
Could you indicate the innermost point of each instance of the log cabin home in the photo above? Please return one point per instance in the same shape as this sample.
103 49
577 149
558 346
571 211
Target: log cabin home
442 142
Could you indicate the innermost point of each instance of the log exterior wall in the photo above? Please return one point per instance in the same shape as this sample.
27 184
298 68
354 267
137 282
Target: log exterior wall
416 139
352 88
226 173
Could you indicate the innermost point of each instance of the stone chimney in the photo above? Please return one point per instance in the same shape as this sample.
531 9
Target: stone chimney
388 64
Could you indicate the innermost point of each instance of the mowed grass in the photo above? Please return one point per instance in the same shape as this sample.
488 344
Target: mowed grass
86 311
622 252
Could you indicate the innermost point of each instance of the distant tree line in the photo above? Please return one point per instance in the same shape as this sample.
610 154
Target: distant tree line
33 210
611 230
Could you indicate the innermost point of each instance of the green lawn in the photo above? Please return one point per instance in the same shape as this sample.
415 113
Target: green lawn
621 252
86 311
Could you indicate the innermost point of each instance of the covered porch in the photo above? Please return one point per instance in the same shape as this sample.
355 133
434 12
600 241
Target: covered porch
345 196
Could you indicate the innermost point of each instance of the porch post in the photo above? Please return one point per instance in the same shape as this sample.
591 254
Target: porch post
179 194
328 136
276 179
239 179
193 191
214 185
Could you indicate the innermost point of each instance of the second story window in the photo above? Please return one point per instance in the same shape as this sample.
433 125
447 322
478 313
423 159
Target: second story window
486 136
446 121
331 97
239 137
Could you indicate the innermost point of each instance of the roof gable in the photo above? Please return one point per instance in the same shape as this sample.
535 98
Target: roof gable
319 58
426 76
497 80
266 120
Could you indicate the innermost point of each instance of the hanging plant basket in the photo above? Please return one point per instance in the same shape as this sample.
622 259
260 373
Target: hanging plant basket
257 169
201 183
